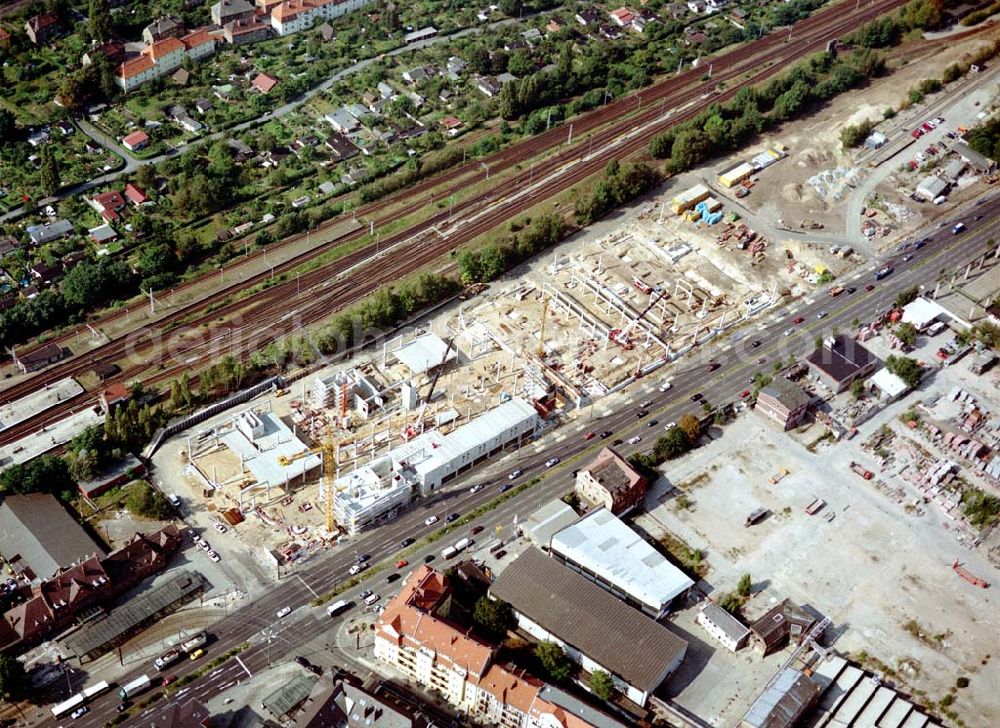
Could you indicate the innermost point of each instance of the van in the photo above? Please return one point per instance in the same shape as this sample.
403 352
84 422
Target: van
371 599
196 654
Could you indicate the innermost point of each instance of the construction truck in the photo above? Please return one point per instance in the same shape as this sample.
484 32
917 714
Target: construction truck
777 477
861 470
836 291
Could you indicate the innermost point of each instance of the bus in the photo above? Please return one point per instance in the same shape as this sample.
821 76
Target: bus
94 690
68 706
337 607
132 688
449 552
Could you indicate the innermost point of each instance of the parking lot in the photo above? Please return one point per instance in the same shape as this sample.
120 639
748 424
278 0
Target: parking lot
880 571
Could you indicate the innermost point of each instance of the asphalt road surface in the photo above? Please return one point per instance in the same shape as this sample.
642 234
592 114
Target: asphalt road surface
273 639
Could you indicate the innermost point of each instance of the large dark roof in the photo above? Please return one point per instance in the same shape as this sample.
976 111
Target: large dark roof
583 615
841 360
788 393
39 529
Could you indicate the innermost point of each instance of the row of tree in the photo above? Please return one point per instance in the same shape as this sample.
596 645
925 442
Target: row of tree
619 185
678 440
491 261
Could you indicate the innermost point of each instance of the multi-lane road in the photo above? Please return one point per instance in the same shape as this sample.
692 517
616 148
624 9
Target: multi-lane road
307 628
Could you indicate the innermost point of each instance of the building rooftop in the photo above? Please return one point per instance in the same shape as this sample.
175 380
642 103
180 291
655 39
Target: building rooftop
284 700
548 520
563 700
38 529
730 625
590 619
921 311
841 358
604 545
272 440
783 701
122 620
888 383
613 472
423 353
786 392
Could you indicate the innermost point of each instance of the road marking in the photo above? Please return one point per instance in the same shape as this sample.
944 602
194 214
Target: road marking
311 590
245 669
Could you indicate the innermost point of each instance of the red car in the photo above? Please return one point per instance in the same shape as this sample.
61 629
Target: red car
168 679
401 563
798 320
744 394
589 436
870 287
917 133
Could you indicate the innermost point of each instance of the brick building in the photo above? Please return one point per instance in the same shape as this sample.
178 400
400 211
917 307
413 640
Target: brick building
611 482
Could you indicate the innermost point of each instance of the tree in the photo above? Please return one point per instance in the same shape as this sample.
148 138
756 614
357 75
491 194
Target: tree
143 501
13 679
906 369
857 389
510 8
100 20
906 297
674 444
50 171
907 333
744 585
493 617
520 63
691 426
45 474
7 126
554 661
602 685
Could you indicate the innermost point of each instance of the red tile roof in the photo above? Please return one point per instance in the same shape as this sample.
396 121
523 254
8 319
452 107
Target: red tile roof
197 38
111 200
264 82
164 47
135 66
451 122
136 137
135 194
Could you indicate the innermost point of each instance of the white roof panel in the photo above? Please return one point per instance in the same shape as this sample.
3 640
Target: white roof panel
604 545
423 353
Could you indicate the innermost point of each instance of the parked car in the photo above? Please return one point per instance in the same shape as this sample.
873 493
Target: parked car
214 556
220 528
755 344
917 133
284 612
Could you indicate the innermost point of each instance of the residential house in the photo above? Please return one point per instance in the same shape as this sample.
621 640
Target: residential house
168 26
610 32
163 57
355 175
714 6
487 86
385 90
113 50
241 150
532 35
696 6
783 623
198 44
341 146
135 194
103 234
108 204
244 32
57 602
135 141
203 106
622 17
41 234
415 75
516 45
455 67
190 125
413 635
611 482
974 158
783 403
738 17
327 33
65 128
342 120
588 16
39 358
264 82
227 11
181 76
292 16
451 125
38 137
42 28
45 273
840 361
723 626
642 19
8 245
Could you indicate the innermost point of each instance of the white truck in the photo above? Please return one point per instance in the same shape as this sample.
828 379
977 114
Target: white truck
167 659
134 687
337 607
194 643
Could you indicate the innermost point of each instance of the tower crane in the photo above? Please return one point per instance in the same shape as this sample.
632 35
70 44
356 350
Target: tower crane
620 336
541 333
433 384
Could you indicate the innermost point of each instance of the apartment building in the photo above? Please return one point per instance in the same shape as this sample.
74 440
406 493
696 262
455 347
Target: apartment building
162 57
293 16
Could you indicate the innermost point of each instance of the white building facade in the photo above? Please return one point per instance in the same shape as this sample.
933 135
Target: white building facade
293 16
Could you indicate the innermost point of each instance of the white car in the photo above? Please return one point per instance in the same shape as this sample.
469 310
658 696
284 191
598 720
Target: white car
665 386
430 520
174 499
551 461
220 528
214 556
920 157
204 545
79 712
788 332
633 440
476 488
669 426
515 475
284 612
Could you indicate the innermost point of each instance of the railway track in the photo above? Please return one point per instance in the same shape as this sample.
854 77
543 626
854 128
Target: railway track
272 314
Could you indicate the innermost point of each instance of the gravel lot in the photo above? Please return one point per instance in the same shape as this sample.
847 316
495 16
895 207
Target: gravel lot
880 573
